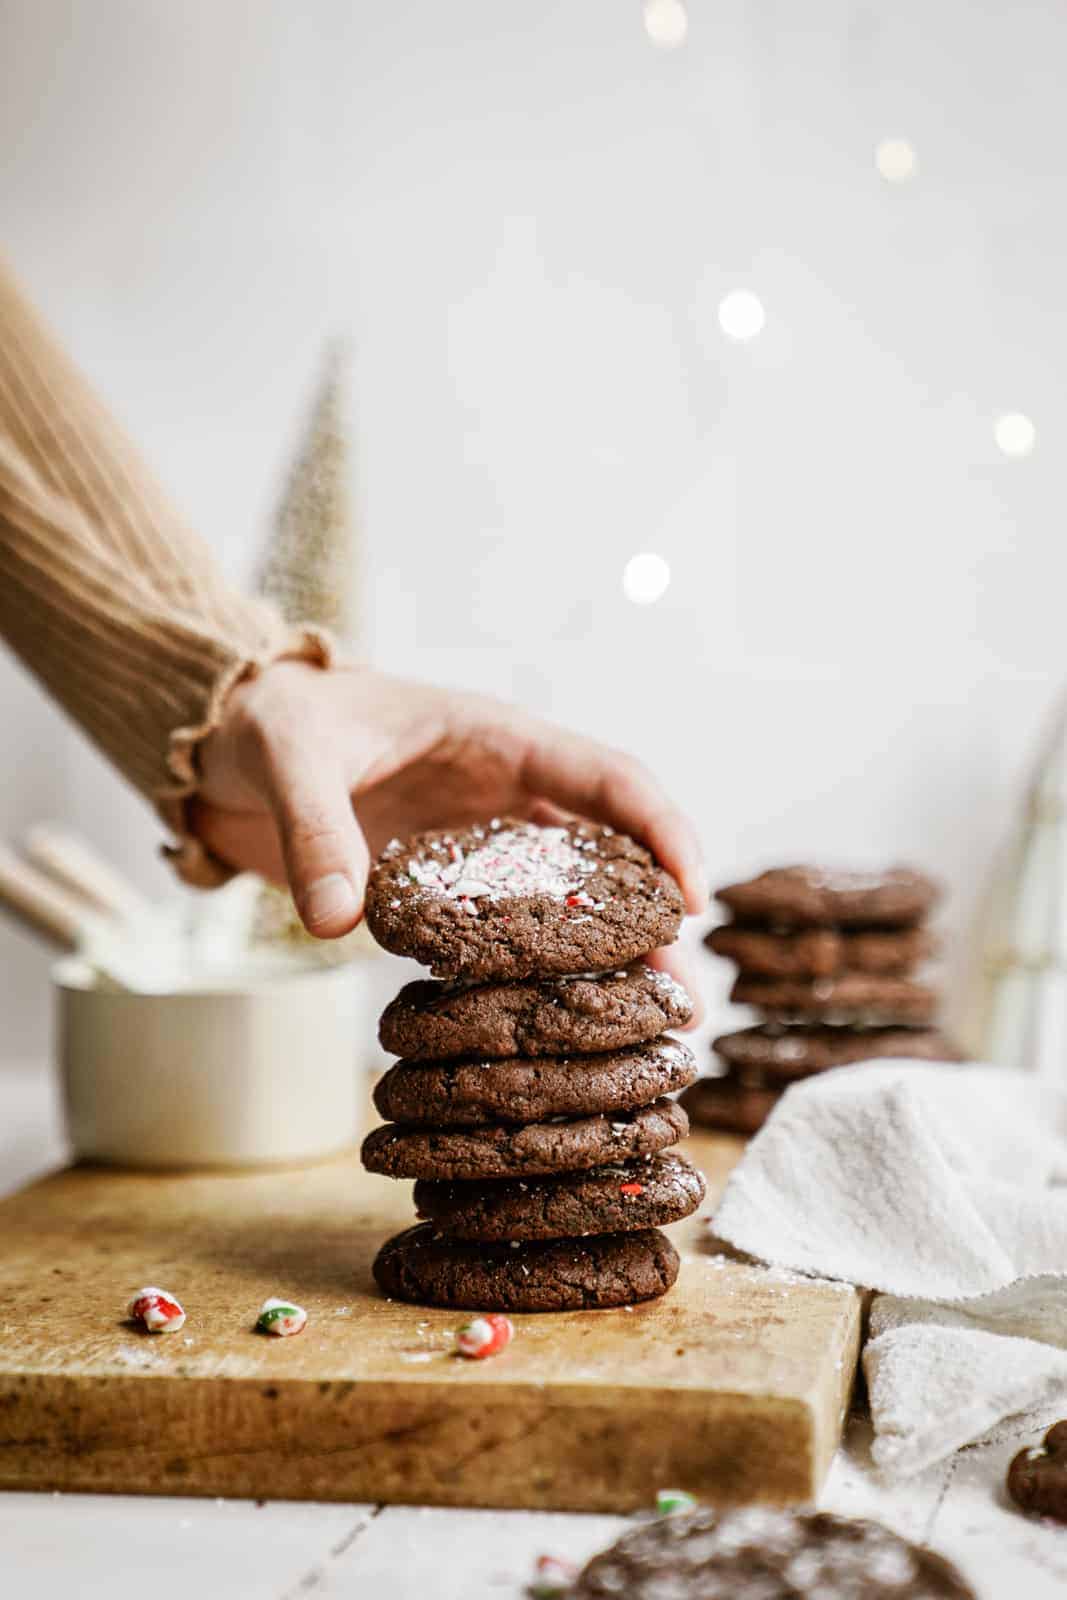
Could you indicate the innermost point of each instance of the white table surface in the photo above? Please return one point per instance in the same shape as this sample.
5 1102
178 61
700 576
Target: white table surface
108 1547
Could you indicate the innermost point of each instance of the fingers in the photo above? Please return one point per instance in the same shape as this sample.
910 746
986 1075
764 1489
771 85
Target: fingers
325 853
612 787
681 966
548 815
247 841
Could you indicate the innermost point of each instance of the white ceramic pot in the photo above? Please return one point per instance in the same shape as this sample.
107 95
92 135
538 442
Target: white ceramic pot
261 1071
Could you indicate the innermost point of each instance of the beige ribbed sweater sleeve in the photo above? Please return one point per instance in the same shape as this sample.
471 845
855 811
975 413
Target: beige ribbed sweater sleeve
115 605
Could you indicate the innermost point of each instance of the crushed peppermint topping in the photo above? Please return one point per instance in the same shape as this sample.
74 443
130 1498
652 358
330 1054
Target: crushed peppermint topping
511 864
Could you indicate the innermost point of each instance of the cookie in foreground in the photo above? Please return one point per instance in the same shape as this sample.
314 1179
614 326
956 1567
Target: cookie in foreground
761 1553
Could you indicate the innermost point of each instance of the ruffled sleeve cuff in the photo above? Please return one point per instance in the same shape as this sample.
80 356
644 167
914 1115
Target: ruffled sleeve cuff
191 859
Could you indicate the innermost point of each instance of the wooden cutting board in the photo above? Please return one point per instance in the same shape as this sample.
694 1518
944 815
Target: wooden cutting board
733 1387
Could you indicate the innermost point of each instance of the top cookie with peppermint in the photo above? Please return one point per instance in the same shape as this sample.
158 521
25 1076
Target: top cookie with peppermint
511 899
809 896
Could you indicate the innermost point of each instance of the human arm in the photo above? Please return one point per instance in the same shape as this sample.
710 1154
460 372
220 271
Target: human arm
114 604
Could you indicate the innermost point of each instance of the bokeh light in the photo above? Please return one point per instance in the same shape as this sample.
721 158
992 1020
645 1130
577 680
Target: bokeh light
666 23
741 314
1015 433
896 160
645 578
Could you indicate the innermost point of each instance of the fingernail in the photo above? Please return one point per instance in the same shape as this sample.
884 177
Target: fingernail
327 898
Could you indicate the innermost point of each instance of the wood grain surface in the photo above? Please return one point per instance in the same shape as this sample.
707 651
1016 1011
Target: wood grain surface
734 1386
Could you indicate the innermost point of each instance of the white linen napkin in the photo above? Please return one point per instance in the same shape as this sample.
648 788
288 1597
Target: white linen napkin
939 1187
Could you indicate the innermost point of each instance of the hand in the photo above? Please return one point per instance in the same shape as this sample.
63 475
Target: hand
312 772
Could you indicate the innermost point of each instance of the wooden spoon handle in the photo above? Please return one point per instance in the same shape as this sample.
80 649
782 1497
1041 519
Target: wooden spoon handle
39 903
77 867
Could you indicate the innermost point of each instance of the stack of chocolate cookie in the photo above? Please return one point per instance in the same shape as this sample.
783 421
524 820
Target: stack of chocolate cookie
829 960
530 1104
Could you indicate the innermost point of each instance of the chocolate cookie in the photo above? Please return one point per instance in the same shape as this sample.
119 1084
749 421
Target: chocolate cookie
728 1105
617 1199
820 952
537 1149
469 1093
615 1269
1037 1478
805 953
782 1054
814 897
512 899
442 1021
855 998
767 1554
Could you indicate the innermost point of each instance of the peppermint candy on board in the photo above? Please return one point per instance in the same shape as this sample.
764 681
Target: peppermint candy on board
157 1310
281 1318
485 1336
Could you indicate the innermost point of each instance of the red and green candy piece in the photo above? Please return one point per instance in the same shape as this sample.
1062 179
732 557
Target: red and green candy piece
484 1336
157 1310
281 1318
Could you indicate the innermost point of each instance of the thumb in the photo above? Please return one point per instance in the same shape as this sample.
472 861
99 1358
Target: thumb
325 853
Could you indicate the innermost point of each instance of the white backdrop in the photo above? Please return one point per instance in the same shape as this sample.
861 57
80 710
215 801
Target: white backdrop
527 215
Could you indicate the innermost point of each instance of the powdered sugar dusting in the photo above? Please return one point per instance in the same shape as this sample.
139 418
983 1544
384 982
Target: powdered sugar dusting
511 864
